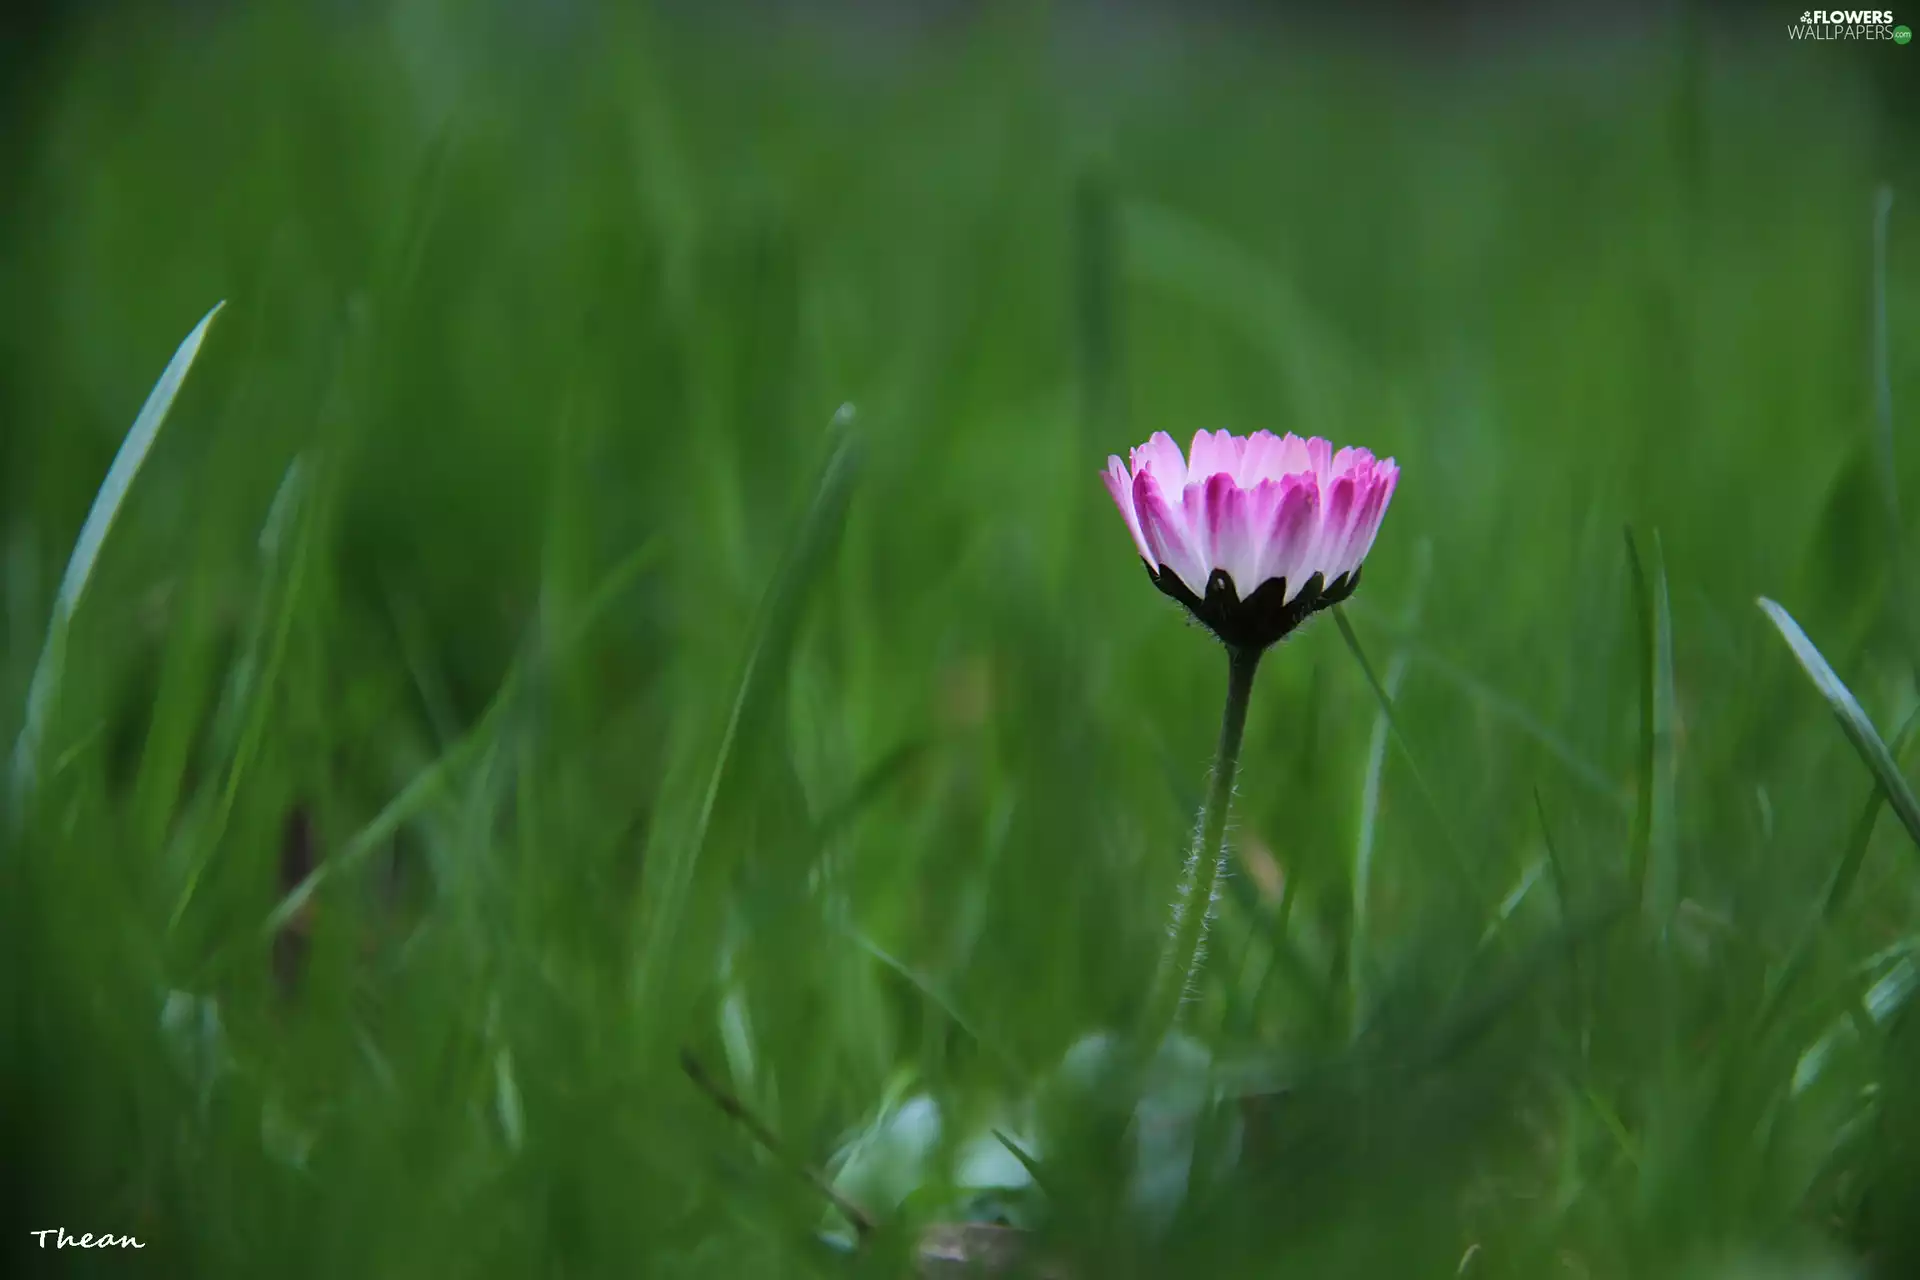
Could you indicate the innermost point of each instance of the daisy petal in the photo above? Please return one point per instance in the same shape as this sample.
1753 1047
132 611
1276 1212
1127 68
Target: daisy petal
1336 527
1162 457
1261 460
1261 502
1214 452
1120 485
1320 454
1231 545
1193 509
1294 457
1291 537
1165 530
1373 512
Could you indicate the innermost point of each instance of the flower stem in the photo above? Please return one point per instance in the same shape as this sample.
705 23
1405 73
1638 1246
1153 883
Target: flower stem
1192 909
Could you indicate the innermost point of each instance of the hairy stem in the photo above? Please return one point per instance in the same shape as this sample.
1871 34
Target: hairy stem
1192 909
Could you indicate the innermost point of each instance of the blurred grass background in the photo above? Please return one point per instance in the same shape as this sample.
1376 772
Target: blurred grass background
509 557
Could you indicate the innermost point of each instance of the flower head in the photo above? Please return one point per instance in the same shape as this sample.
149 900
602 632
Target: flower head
1252 534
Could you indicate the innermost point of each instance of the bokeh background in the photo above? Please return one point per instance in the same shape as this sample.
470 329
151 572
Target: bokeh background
626 581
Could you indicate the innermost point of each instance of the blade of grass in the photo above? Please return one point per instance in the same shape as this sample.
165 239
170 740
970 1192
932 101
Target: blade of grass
1524 720
256 697
44 685
738 1112
1461 867
1478 1013
1839 886
668 878
1883 427
176 721
1561 886
1654 871
432 781
932 992
1027 1161
1563 896
1643 764
1882 381
1500 705
1663 869
1852 717
1360 939
869 787
1848 869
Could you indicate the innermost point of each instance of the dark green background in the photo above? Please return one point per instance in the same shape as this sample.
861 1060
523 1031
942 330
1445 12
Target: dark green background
635 707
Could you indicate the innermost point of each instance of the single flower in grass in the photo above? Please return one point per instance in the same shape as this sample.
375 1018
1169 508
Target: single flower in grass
1253 535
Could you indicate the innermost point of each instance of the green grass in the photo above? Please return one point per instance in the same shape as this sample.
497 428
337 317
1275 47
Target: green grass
512 668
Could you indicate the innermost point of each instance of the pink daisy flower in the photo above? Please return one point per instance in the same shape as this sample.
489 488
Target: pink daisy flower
1252 534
